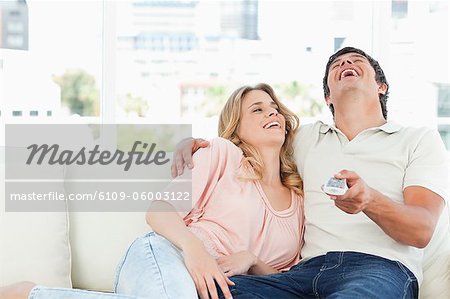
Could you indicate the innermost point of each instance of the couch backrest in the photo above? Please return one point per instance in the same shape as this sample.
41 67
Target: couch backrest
436 262
98 241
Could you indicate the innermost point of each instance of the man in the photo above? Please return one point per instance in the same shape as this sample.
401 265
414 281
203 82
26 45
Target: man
366 243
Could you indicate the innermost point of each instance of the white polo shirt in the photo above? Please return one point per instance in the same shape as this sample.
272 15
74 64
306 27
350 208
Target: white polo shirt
389 159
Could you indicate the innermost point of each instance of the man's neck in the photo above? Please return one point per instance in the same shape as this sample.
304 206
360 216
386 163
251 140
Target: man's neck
353 117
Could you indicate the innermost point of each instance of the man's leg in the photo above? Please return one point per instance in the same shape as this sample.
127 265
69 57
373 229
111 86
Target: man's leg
357 275
296 283
264 286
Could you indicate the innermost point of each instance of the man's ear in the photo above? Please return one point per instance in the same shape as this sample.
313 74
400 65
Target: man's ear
382 88
328 100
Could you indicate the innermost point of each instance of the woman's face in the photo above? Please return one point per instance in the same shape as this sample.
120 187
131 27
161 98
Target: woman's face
261 124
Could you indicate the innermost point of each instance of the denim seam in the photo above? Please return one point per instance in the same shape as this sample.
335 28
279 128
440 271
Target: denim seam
295 283
405 288
316 281
403 268
408 282
341 258
120 266
152 253
322 270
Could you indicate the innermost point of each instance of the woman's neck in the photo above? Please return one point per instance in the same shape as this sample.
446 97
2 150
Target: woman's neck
271 172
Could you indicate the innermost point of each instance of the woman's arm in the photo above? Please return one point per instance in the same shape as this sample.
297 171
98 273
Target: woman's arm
261 268
202 267
165 221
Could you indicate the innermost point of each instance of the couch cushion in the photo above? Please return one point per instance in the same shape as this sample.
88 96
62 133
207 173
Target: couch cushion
34 246
436 262
98 241
436 282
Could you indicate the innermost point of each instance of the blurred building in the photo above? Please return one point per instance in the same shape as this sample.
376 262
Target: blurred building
180 26
162 26
25 96
14 25
239 19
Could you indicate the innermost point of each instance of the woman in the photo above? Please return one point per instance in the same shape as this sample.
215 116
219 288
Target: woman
246 215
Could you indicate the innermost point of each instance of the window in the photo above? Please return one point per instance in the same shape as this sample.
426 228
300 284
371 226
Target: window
338 41
444 131
15 27
14 13
64 61
17 113
178 61
443 112
14 41
438 6
399 9
443 100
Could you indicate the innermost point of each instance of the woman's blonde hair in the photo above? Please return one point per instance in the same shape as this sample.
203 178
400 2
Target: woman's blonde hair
229 121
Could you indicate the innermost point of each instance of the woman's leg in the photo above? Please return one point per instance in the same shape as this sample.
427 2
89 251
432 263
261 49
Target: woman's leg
154 267
40 292
151 268
24 290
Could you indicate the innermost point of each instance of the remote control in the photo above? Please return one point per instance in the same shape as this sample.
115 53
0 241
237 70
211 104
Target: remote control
335 186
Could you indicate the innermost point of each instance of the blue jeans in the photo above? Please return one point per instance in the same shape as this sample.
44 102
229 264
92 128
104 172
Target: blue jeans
334 275
151 268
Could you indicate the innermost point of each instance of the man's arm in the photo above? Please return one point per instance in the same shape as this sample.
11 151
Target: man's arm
411 223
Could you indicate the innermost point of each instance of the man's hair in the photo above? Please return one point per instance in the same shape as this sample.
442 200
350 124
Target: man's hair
379 76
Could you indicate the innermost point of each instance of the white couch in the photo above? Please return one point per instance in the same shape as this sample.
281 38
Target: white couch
81 250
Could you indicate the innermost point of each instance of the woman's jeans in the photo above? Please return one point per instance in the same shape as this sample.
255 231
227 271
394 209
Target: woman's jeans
344 275
151 268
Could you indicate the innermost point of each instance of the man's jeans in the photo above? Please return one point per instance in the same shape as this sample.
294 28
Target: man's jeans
334 275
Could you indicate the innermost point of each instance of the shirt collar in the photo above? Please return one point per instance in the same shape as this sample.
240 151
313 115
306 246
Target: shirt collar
389 127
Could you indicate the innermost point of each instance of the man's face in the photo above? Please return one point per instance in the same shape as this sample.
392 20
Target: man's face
352 72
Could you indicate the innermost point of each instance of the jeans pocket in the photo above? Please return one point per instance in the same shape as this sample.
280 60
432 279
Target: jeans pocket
407 272
411 288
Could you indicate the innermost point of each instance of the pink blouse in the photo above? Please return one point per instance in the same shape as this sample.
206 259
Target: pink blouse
231 215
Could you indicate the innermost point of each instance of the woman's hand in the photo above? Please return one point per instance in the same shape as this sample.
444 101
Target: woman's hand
237 263
204 271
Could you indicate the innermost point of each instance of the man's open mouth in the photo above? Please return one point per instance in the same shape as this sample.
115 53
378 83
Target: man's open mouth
349 73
